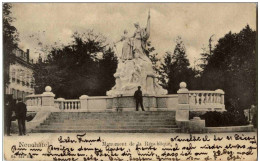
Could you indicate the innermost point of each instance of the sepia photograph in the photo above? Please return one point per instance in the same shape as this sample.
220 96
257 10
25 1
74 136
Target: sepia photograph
130 81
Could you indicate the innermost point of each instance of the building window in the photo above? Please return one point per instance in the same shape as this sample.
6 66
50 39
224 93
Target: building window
13 74
14 94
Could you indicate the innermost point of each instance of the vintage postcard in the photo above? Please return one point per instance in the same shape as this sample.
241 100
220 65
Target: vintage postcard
130 81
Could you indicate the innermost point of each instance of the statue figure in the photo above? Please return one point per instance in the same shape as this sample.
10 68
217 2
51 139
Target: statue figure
127 50
141 36
135 68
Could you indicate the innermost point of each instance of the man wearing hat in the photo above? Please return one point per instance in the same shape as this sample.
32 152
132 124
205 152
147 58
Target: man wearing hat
139 98
20 112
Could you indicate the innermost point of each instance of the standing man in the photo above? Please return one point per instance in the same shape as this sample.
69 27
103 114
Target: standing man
139 98
8 113
20 111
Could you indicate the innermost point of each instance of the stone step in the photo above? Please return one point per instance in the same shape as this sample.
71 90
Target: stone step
122 113
112 119
107 127
103 116
155 130
78 114
111 123
109 116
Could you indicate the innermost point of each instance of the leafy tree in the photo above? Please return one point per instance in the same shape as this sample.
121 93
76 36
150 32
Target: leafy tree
206 54
10 40
233 68
176 68
84 67
164 70
107 68
150 52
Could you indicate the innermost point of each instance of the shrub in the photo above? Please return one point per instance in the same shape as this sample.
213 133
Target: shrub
227 118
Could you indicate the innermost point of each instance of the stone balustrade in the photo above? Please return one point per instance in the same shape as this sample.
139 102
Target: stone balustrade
34 100
200 101
37 102
206 100
184 101
63 104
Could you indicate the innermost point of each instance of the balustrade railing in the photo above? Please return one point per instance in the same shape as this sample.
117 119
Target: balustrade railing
194 100
67 104
34 100
207 99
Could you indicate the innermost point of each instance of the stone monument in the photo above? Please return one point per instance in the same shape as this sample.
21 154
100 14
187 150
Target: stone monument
135 68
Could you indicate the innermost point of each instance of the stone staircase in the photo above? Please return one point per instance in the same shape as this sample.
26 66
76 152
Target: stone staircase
110 122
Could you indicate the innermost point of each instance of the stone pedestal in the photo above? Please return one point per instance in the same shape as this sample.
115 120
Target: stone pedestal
48 100
127 103
60 103
196 125
182 112
83 103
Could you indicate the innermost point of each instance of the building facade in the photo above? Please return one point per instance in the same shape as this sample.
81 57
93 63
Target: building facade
21 75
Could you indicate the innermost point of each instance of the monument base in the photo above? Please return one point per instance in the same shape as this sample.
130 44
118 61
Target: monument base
128 103
150 103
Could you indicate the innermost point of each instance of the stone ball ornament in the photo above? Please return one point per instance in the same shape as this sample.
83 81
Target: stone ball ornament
83 97
48 89
183 88
48 92
220 91
60 99
183 85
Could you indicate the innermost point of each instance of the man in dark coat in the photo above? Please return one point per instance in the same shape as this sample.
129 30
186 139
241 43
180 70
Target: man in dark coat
139 98
20 111
8 113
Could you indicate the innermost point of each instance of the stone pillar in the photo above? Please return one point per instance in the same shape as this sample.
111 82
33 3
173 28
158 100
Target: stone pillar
61 105
221 94
222 98
196 125
83 103
48 99
182 112
247 115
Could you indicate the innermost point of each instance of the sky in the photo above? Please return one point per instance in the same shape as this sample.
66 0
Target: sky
195 23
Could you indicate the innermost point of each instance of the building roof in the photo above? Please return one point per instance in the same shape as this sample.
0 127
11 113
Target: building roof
23 58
